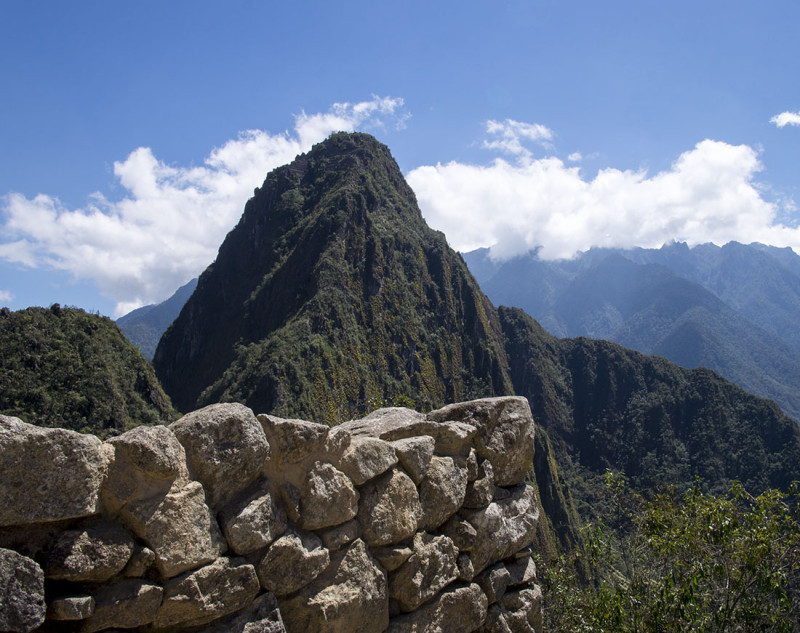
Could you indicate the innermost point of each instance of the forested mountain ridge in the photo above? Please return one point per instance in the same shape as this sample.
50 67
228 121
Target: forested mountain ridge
63 367
332 296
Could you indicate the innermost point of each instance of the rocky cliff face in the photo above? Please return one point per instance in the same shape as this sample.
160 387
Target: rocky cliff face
224 521
331 297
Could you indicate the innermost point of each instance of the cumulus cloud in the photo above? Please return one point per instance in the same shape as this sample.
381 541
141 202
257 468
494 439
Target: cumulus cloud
169 224
786 118
708 195
5 295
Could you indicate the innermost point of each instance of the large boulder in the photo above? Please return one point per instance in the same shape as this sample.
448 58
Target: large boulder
350 595
253 521
92 554
505 433
430 568
455 610
22 606
366 458
327 497
291 562
146 462
389 510
504 527
48 474
415 455
178 527
225 448
211 592
441 492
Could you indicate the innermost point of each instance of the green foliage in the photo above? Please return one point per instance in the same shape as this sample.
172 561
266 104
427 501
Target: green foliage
691 562
62 367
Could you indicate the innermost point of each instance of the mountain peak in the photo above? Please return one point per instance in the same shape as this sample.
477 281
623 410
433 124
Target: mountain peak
331 296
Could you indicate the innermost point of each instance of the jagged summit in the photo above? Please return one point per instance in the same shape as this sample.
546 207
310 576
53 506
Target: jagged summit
332 296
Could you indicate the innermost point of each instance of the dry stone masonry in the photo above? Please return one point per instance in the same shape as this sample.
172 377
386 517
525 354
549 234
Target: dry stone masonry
400 522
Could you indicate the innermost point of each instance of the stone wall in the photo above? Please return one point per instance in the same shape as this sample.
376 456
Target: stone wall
224 521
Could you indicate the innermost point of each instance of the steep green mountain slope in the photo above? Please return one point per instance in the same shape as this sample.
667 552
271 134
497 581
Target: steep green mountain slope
144 326
332 296
662 425
650 308
62 367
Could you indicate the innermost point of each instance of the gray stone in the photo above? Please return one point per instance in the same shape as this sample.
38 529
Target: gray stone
441 492
22 605
252 522
397 423
93 554
480 492
521 572
494 582
262 616
124 604
503 527
466 572
225 449
295 441
291 562
523 610
391 556
209 593
146 462
472 465
340 535
327 498
48 474
430 568
366 458
415 455
505 433
350 595
455 610
461 532
178 527
389 510
142 559
71 608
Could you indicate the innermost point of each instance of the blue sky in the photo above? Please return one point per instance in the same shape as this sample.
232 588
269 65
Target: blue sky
131 134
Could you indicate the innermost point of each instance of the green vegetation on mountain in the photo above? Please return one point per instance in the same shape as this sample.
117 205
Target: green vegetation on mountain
605 406
332 297
62 367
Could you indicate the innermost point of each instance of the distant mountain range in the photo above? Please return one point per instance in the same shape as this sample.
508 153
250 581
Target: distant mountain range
733 309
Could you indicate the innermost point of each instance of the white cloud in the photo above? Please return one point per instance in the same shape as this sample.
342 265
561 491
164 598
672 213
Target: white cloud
508 137
5 295
786 118
169 225
708 195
